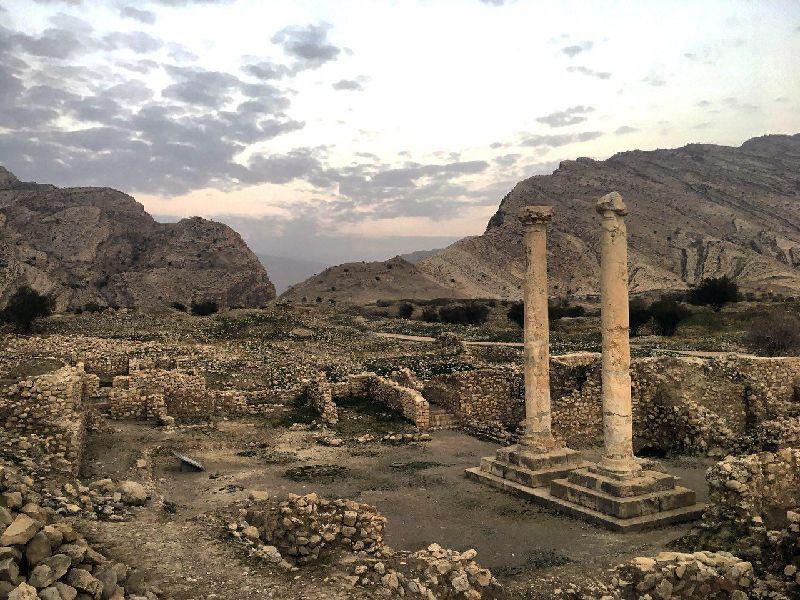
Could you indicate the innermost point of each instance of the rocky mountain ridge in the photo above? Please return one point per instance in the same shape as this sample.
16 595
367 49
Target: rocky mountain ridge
98 245
698 211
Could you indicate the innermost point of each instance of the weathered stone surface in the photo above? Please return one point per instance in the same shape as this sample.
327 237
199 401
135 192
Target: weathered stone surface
133 493
79 234
20 531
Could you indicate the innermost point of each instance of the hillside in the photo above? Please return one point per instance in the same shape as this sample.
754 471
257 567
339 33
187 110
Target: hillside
285 272
697 211
365 282
98 245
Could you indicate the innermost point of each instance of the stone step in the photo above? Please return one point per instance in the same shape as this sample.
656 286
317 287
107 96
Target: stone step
542 496
622 507
516 455
529 477
646 482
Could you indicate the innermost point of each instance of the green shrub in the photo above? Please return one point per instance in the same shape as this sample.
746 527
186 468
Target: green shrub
559 311
430 314
667 315
472 313
405 310
24 307
638 315
204 308
516 313
715 292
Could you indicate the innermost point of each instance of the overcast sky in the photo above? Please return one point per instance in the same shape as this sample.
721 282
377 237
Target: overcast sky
356 129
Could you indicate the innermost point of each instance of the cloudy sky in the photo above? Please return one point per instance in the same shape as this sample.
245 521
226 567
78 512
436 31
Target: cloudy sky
356 129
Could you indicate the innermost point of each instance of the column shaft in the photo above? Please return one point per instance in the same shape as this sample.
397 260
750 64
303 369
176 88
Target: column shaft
618 455
538 435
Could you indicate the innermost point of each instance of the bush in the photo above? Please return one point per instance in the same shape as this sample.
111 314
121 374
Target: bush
715 292
516 313
558 311
472 313
775 335
92 307
179 306
667 315
638 315
24 307
430 314
204 308
405 310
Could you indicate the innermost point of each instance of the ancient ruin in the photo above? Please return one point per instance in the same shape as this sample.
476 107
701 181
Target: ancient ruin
616 492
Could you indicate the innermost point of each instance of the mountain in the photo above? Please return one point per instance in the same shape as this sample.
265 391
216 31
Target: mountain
98 245
695 212
698 211
418 255
285 271
365 282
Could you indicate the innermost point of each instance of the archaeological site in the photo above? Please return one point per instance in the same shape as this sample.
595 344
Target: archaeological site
431 299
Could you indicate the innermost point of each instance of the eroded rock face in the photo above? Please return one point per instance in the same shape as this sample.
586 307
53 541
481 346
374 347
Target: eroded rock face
98 245
695 212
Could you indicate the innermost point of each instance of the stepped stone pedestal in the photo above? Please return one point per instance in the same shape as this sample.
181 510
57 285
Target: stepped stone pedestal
515 469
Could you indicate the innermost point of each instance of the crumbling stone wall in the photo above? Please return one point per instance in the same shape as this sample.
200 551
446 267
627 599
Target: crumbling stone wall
306 527
683 404
44 420
319 395
406 401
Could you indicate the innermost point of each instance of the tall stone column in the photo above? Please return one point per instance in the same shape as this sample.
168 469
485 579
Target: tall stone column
537 436
618 459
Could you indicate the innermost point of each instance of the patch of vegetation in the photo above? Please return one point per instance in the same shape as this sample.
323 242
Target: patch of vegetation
774 335
26 306
638 315
715 292
667 314
471 313
317 473
180 306
203 308
405 310
534 560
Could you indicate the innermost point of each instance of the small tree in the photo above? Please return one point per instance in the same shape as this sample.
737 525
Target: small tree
24 307
405 310
667 315
430 314
776 335
715 292
638 315
516 313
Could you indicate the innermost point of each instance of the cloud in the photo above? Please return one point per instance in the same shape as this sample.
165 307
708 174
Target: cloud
138 41
569 116
494 2
52 43
624 130
267 70
734 103
308 45
197 86
507 160
143 16
654 80
557 140
575 49
350 84
589 72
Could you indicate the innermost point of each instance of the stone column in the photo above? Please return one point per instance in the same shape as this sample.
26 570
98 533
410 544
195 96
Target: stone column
538 436
618 459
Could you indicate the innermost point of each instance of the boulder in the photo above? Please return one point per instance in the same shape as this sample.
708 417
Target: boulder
21 530
133 493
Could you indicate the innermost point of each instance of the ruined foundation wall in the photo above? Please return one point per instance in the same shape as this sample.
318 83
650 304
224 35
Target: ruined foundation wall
690 403
320 399
44 420
406 401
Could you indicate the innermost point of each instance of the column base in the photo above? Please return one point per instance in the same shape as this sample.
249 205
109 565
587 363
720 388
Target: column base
645 500
520 465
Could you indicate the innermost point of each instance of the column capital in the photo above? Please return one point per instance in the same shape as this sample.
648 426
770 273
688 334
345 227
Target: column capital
612 202
530 216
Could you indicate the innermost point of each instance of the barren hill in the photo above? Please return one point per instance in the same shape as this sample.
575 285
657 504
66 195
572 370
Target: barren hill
697 211
364 282
99 245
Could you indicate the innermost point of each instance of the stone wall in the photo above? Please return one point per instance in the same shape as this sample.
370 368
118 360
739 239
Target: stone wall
44 420
686 404
319 395
406 401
